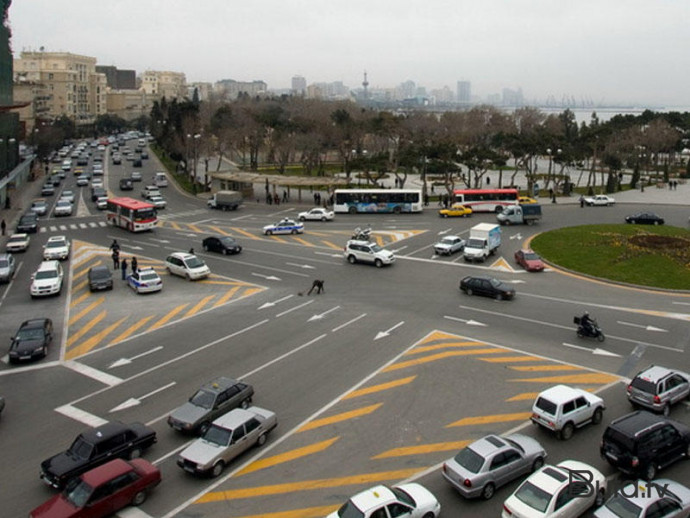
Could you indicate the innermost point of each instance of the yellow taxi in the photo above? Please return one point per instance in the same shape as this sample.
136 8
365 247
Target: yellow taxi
526 200
456 210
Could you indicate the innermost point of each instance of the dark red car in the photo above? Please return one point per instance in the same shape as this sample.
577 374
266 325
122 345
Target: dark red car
529 260
102 491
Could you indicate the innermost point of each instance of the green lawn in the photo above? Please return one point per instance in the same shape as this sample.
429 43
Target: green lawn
624 253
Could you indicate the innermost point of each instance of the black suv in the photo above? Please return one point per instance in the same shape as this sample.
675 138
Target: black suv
28 223
642 443
95 447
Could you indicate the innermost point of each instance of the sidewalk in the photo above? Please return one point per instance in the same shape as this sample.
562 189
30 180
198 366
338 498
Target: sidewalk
20 202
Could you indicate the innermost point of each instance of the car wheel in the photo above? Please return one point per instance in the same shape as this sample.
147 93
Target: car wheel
45 351
351 259
139 498
225 251
189 278
294 231
302 218
323 219
468 291
135 453
656 222
217 468
261 440
205 248
650 472
599 500
499 296
378 263
444 215
597 416
269 232
429 515
203 428
352 210
666 410
567 431
537 464
498 209
245 403
488 491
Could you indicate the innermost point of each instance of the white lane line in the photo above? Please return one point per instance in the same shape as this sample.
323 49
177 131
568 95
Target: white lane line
293 309
132 512
103 377
348 323
80 415
19 370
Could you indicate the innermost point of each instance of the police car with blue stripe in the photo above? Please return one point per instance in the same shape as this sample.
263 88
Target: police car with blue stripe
145 280
285 226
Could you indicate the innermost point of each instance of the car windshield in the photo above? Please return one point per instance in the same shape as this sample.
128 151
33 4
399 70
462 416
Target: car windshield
496 283
14 239
514 444
63 203
194 262
203 398
470 460
228 241
67 194
218 435
546 406
533 496
99 273
29 333
4 263
531 256
55 244
148 276
350 510
644 385
376 248
403 496
47 274
77 492
81 449
622 507
448 240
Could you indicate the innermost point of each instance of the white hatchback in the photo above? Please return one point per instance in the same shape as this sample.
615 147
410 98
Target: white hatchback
47 280
187 265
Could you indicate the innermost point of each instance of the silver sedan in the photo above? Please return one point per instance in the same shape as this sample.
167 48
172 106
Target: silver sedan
492 461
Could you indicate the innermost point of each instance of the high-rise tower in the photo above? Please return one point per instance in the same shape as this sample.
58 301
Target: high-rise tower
365 85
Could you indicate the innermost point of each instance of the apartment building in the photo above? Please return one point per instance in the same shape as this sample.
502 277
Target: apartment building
71 85
164 84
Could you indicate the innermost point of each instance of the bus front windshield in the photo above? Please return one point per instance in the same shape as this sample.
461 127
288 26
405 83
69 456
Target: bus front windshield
144 214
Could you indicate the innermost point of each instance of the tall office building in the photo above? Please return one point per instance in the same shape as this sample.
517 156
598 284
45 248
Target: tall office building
299 85
464 92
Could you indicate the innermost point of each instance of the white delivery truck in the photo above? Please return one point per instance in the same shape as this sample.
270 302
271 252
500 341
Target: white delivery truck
484 239
225 200
519 214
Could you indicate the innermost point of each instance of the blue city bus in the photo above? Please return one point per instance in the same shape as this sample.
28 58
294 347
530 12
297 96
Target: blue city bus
377 201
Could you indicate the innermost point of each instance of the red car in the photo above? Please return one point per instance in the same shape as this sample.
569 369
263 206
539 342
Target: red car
529 260
102 491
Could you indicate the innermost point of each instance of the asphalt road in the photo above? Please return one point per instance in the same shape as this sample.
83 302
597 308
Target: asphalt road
378 380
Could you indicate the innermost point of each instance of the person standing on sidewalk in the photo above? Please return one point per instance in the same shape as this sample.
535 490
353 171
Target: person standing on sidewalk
135 265
3 226
123 266
116 258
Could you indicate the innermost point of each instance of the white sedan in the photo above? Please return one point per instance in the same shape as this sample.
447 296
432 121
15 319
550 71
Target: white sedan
449 245
285 226
600 200
409 500
57 247
316 214
158 202
17 243
63 208
567 490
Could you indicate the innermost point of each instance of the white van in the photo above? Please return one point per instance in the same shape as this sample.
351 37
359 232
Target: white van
160 180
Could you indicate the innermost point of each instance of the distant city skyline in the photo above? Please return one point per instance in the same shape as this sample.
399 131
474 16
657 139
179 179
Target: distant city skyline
630 52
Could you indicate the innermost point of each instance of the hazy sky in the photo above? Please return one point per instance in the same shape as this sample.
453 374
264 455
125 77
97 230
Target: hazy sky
632 51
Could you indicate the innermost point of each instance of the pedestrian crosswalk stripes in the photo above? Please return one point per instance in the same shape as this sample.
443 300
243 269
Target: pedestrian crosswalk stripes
73 226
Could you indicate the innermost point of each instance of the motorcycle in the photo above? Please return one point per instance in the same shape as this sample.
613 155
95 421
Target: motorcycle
362 234
589 331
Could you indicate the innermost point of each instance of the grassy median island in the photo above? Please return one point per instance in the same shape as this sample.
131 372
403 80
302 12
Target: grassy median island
657 256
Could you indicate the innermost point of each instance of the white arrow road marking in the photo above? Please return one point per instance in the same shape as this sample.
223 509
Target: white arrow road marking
133 247
137 401
577 347
514 281
271 304
267 277
127 361
516 236
641 326
308 267
682 303
597 351
328 255
400 249
387 332
293 309
161 240
468 322
320 316
444 231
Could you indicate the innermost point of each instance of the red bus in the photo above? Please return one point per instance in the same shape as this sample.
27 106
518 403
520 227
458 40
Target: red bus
134 215
486 200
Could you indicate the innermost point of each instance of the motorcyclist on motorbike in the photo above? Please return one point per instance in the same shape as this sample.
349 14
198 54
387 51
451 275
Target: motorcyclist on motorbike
587 322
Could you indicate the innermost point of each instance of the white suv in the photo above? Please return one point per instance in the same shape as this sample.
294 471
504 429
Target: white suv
562 409
47 280
57 247
366 252
187 265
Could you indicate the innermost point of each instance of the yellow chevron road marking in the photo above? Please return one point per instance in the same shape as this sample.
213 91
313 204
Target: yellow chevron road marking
197 307
306 485
501 264
73 338
85 269
79 299
332 245
303 241
422 449
79 286
228 295
307 512
251 291
277 238
194 228
132 329
86 310
490 419
525 396
92 342
167 318
379 240
438 335
378 388
174 225
317 423
441 356
427 348
288 456
220 231
574 379
511 359
545 368
245 233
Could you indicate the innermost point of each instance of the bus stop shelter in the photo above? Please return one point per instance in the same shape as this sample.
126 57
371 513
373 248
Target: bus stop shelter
247 183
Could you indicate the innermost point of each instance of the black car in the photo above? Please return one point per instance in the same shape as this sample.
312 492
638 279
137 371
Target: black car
136 162
144 155
642 443
28 223
31 340
126 184
645 218
486 286
48 189
55 180
100 278
221 244
98 192
94 447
